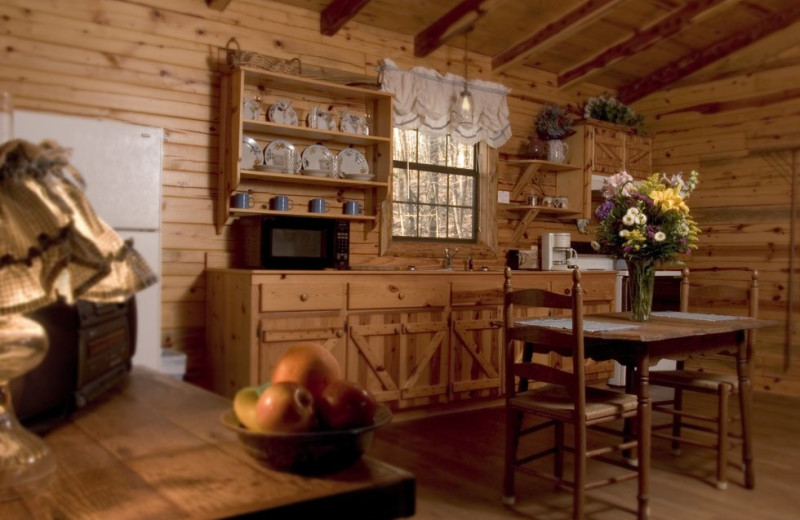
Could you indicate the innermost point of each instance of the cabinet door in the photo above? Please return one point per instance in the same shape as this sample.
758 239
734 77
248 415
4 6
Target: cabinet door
638 156
397 337
476 339
278 331
400 356
608 150
477 351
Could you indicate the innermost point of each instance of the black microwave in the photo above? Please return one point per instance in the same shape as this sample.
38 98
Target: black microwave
302 243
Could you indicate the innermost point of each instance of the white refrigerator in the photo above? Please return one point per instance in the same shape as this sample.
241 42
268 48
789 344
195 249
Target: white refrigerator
121 164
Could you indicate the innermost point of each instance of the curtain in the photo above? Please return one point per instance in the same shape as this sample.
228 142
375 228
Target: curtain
424 100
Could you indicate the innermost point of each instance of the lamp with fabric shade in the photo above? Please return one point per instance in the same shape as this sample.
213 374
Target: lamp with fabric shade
52 246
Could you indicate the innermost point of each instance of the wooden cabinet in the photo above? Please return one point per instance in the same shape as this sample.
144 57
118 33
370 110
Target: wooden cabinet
414 340
245 84
605 149
569 182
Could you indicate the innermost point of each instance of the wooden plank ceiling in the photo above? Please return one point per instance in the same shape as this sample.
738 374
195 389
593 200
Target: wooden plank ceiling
632 47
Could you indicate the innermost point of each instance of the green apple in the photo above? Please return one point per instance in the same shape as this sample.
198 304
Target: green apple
244 404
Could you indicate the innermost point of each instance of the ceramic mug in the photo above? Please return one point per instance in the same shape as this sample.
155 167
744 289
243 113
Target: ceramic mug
281 203
352 207
243 201
318 206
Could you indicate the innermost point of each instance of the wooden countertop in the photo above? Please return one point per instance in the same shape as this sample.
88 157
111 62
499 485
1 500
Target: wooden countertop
156 449
420 271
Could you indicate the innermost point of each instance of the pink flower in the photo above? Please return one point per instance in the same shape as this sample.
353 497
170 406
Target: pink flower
619 183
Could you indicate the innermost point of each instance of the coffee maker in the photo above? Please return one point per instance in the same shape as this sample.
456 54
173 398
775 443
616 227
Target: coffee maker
557 252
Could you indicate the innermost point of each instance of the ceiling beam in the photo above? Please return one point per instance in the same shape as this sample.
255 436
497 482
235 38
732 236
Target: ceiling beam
759 101
458 20
695 61
658 31
338 13
219 5
569 24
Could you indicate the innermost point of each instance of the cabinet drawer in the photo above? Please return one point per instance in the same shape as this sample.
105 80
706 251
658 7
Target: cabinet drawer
301 296
388 295
595 288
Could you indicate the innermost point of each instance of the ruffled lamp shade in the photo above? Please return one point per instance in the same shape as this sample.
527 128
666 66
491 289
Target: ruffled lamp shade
51 241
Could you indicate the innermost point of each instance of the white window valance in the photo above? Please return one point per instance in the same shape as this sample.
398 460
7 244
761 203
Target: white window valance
424 100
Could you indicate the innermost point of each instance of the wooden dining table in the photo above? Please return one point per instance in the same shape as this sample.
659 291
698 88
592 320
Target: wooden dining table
667 335
155 448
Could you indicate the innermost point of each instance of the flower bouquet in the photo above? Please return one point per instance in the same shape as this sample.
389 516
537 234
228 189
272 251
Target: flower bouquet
644 223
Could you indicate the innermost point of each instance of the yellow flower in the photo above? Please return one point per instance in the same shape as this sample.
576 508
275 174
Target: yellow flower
669 199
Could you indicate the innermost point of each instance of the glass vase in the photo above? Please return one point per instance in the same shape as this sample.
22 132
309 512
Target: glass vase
641 279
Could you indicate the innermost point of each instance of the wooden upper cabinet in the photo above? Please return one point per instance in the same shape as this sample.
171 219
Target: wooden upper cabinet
606 149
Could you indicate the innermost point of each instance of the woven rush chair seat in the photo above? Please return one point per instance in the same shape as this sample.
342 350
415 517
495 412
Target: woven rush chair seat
697 380
555 402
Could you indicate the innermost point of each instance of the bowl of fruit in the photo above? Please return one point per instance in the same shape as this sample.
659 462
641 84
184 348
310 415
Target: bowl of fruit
306 419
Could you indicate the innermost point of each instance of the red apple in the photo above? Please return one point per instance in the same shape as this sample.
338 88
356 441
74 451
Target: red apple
345 404
308 364
285 407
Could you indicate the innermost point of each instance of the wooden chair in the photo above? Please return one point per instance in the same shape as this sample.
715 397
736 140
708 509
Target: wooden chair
559 396
720 299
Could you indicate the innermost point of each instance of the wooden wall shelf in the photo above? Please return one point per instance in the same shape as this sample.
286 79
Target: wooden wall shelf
243 83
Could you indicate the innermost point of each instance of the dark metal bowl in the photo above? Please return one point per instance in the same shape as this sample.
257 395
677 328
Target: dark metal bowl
315 452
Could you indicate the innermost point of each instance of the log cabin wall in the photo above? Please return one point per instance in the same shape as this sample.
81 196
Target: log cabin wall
741 133
156 63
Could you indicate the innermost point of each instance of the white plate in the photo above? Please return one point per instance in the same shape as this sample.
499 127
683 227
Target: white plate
282 154
352 162
251 153
250 108
325 120
353 124
282 112
359 176
317 157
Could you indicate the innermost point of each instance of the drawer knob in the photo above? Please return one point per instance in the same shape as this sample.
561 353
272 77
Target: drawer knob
303 297
339 333
400 296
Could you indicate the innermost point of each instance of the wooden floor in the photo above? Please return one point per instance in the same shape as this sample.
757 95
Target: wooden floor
458 458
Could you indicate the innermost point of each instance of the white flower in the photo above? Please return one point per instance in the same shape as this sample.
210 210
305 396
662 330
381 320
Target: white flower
632 211
641 219
660 236
683 229
624 233
629 219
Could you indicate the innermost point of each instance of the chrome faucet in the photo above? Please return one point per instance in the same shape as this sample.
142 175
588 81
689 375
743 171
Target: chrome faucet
448 258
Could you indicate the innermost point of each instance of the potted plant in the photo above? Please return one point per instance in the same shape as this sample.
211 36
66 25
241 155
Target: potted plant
608 108
553 124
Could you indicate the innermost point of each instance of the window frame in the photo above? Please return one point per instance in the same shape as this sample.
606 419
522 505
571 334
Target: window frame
420 167
485 246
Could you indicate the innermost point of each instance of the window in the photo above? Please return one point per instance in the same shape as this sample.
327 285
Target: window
435 189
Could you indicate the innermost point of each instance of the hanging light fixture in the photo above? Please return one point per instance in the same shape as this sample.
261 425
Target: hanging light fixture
465 107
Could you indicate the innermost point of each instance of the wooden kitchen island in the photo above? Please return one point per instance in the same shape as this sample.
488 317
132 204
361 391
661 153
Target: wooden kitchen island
416 340
156 449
